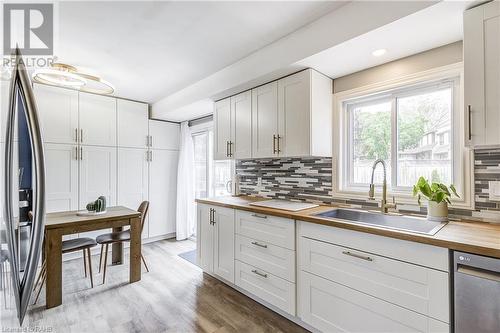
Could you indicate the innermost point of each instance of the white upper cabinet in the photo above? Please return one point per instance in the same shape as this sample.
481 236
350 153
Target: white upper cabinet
61 177
58 109
482 74
97 120
222 129
290 117
265 120
164 135
305 115
240 147
132 124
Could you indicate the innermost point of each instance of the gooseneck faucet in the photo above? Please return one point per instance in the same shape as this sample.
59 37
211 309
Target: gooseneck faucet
384 206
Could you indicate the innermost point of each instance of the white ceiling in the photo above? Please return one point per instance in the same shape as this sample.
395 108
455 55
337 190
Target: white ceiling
149 50
429 28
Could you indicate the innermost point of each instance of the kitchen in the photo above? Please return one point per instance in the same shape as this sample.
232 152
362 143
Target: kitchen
350 184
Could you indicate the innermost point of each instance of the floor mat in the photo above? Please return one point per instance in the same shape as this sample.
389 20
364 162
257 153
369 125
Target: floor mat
189 256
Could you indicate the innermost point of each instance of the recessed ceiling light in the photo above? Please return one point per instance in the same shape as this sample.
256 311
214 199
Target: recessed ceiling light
379 52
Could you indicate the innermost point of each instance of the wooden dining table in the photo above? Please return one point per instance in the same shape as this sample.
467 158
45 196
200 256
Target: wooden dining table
66 223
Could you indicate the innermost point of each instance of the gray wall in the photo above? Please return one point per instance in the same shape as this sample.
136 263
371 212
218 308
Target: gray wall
441 56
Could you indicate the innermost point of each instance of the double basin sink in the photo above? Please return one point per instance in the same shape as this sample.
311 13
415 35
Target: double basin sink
396 222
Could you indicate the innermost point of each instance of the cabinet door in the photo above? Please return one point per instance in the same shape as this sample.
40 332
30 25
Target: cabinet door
332 307
61 178
241 129
482 74
162 192
205 238
97 178
264 120
133 179
224 243
294 108
132 124
97 119
222 129
58 109
164 135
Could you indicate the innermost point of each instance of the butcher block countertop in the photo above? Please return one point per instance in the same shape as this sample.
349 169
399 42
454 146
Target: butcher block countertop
467 236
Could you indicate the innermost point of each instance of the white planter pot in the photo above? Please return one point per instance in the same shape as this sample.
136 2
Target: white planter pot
437 212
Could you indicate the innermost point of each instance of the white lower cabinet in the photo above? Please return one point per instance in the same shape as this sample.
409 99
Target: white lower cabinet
223 222
333 307
266 286
132 180
358 286
162 191
215 241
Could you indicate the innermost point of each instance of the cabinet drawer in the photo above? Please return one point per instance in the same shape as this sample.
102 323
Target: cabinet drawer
271 258
420 289
416 253
274 230
268 287
332 307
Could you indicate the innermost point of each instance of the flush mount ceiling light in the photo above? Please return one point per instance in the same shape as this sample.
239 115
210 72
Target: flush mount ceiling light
68 76
379 52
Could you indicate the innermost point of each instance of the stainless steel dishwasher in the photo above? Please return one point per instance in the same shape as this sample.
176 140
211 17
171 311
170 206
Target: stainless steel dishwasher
476 293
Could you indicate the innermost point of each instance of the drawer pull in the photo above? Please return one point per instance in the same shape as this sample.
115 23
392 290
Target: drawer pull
260 216
259 273
355 255
258 244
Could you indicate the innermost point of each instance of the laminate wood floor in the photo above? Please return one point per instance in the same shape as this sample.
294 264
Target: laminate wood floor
175 296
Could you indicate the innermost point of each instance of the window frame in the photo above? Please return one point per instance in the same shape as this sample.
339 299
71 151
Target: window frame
391 90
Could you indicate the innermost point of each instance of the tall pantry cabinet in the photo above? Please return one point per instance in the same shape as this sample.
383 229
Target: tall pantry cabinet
100 145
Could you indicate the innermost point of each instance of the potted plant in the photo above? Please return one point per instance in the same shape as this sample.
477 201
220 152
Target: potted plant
438 196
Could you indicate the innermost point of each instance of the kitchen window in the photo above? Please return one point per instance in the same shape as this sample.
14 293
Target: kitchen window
415 128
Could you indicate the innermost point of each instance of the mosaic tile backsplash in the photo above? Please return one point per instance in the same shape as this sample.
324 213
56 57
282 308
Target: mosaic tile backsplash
310 179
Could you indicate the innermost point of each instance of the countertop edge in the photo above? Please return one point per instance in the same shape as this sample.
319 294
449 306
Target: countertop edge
439 239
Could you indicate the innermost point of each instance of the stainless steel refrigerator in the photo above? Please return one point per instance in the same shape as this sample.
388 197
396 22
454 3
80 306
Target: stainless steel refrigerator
23 191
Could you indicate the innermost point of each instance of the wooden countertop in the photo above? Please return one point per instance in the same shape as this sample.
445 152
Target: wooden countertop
474 237
64 219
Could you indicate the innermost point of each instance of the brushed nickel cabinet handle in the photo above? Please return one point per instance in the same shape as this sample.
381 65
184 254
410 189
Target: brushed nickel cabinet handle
260 216
81 153
259 273
76 153
355 255
260 245
469 110
81 134
230 148
227 148
76 135
274 143
278 139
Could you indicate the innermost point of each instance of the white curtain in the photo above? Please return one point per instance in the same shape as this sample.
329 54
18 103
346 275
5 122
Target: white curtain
186 208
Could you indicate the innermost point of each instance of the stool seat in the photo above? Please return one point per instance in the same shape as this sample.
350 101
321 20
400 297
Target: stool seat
76 244
114 237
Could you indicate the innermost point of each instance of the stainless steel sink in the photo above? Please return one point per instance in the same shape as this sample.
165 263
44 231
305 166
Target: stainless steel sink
404 223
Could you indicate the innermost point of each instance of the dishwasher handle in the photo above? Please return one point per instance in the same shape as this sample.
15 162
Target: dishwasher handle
472 264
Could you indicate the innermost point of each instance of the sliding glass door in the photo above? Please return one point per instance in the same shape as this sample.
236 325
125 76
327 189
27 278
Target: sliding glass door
211 177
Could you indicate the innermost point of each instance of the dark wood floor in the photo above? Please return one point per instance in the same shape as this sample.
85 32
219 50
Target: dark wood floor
175 296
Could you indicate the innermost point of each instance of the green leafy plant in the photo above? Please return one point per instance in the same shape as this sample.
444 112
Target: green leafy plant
437 192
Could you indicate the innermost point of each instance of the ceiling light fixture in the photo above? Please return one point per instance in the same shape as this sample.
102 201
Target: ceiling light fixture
68 76
379 52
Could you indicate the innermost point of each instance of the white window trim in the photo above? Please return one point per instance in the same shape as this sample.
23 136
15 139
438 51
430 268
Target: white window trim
463 155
